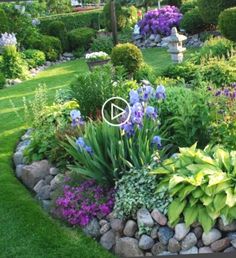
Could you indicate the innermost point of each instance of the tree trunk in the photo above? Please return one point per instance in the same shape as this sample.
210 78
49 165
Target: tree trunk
114 22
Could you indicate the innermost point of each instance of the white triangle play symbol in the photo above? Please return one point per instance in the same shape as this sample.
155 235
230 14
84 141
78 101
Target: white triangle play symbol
114 113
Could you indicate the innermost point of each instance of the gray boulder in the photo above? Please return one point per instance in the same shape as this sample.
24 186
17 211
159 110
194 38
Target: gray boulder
165 234
108 240
189 241
211 236
144 218
92 229
181 230
128 247
31 174
145 242
130 228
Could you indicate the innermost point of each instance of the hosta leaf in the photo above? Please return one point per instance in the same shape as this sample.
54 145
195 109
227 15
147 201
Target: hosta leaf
186 191
197 193
177 189
193 201
219 201
176 180
223 158
205 220
159 171
190 215
217 178
232 212
231 198
175 209
206 200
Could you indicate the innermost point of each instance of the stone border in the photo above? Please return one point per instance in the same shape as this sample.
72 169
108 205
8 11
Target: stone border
146 234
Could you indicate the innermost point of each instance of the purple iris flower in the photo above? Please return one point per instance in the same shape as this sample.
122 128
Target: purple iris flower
151 112
82 146
76 118
161 92
157 141
133 97
128 129
137 114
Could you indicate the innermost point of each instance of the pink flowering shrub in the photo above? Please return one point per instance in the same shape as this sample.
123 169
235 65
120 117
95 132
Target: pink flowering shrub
79 205
160 21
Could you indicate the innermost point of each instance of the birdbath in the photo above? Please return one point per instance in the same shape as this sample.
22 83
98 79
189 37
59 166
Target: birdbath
175 44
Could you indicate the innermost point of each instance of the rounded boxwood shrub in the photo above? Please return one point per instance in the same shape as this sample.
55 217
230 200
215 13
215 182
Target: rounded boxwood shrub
51 46
13 65
34 57
127 55
58 30
4 23
102 43
227 23
81 37
192 22
2 80
211 9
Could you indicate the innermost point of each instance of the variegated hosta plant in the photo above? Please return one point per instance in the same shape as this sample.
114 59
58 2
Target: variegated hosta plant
202 184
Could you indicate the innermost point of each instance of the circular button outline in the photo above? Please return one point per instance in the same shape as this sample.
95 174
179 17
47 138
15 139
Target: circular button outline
127 104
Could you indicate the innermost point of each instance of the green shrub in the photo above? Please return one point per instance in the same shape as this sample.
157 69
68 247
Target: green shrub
127 55
185 117
81 37
51 46
91 90
2 80
145 72
211 9
58 30
218 72
135 191
4 23
102 43
192 22
126 16
186 71
73 20
188 6
13 65
34 58
227 23
213 48
202 184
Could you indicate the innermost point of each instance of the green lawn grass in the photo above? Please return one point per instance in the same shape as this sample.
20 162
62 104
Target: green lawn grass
25 229
159 58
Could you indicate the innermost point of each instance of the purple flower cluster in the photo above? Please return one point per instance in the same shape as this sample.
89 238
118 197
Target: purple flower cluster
8 39
141 109
229 92
79 205
80 143
160 21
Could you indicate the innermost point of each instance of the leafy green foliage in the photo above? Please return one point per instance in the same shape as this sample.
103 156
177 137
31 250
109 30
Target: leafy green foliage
127 55
145 72
102 43
176 3
186 71
213 48
81 37
33 57
58 30
51 46
13 65
187 6
4 23
211 9
185 117
135 190
50 124
227 23
192 21
202 184
126 16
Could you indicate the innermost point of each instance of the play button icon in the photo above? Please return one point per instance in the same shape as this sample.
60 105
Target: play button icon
116 111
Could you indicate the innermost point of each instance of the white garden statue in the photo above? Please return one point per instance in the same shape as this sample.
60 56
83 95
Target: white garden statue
175 44
136 30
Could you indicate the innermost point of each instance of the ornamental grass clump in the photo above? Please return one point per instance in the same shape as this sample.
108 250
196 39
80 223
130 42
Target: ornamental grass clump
160 21
78 205
202 184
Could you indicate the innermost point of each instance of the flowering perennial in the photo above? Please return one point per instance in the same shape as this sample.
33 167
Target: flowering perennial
79 205
8 39
82 146
95 56
160 21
